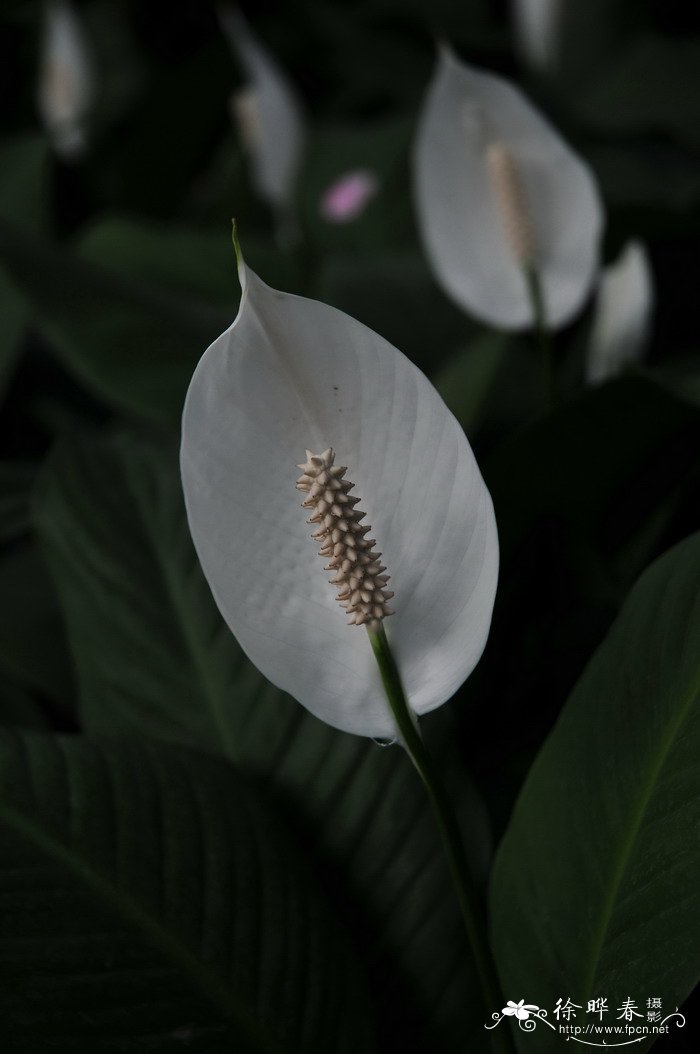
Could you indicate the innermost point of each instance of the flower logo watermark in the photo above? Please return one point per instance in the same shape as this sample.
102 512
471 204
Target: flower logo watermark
624 1032
521 1010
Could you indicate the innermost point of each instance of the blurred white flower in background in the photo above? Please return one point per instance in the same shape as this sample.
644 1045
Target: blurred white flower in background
348 196
499 193
623 312
66 83
537 26
268 114
293 375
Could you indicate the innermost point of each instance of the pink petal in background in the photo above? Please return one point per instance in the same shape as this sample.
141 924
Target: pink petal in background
347 198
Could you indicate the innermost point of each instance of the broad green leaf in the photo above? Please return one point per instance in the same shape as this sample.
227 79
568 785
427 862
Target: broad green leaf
18 709
33 647
13 316
154 658
133 346
154 900
467 377
596 889
182 260
23 179
16 481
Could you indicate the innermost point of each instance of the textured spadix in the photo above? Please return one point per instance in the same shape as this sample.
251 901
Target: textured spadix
293 374
469 118
357 568
66 80
267 112
622 317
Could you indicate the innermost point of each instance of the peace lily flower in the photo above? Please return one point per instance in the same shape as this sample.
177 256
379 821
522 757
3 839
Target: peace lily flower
622 321
500 194
348 197
66 81
521 1010
537 29
267 112
294 382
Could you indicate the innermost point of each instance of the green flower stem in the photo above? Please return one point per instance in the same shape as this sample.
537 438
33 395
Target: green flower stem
542 334
469 901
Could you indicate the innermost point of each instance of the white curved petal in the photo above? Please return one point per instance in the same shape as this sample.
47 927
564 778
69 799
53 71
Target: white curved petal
537 27
622 320
291 374
268 113
466 110
66 82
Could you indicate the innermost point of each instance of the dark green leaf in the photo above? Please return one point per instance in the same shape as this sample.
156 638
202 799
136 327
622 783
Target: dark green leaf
23 180
179 259
16 481
33 647
152 900
596 890
466 379
13 313
154 658
133 346
18 709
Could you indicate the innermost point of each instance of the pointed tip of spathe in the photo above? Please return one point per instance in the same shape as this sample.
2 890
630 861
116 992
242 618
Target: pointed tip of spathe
240 266
443 48
240 260
236 241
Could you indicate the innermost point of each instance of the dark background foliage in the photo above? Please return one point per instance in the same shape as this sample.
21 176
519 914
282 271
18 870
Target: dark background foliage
117 271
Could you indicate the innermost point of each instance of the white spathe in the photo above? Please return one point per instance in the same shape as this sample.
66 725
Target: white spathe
537 30
268 113
465 113
622 320
65 90
291 374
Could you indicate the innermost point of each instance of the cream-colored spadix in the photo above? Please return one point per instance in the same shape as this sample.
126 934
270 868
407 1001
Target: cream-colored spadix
358 571
292 375
487 165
